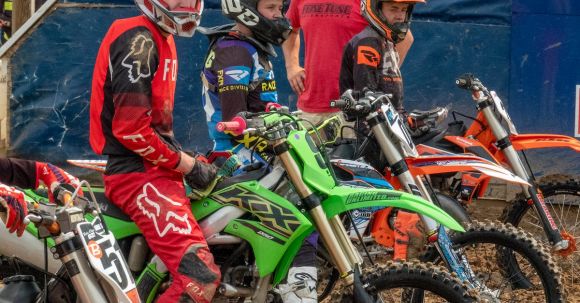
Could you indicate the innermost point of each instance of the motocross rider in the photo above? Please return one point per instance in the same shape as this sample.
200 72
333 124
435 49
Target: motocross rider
131 121
370 60
238 77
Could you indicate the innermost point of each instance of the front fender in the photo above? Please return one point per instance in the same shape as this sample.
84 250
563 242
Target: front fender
343 198
533 141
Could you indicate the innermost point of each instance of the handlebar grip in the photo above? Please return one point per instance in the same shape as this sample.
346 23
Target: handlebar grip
63 194
464 81
236 126
340 103
272 106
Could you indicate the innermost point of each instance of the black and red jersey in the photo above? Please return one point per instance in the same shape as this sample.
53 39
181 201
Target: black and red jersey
132 97
17 172
371 61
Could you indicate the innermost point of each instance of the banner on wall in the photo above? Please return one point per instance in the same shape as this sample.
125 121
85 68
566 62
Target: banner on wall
577 124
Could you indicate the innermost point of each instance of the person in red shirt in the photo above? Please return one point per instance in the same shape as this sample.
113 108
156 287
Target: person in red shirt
131 121
327 27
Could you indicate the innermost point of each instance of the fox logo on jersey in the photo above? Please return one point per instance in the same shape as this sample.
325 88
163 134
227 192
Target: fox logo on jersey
137 61
155 206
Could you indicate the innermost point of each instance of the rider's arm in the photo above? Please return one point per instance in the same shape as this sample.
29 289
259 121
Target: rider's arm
291 50
234 69
17 172
134 61
365 60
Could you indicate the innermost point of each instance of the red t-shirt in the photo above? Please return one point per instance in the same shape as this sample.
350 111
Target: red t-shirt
327 27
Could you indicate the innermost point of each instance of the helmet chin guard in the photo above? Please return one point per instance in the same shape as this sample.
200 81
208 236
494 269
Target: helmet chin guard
180 22
265 30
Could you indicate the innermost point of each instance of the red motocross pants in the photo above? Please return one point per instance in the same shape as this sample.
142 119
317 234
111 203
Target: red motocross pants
155 200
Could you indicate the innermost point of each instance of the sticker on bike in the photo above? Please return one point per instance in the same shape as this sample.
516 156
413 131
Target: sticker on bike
105 255
500 108
396 125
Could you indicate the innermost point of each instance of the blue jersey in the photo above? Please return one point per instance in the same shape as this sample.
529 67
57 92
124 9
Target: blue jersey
237 77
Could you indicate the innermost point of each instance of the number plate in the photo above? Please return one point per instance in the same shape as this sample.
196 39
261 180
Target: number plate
106 257
395 124
500 108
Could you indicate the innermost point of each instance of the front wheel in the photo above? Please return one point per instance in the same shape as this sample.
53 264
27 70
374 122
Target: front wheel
491 247
562 198
389 282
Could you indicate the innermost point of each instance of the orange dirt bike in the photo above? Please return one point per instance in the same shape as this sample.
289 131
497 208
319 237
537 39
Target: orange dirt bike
483 258
493 135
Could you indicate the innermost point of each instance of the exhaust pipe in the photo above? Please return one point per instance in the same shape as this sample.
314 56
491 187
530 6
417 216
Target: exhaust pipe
228 290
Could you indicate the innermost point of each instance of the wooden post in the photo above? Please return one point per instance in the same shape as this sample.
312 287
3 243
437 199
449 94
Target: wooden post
20 13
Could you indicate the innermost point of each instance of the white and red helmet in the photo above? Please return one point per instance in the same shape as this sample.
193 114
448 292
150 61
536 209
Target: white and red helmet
181 22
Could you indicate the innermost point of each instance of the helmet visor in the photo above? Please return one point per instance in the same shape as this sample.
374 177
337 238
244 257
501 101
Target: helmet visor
182 20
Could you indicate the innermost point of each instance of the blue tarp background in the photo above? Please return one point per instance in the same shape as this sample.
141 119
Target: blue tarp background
526 50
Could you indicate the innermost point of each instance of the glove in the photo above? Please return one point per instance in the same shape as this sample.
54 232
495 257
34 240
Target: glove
52 176
15 207
201 176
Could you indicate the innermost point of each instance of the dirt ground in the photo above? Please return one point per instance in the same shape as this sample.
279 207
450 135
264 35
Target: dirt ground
489 209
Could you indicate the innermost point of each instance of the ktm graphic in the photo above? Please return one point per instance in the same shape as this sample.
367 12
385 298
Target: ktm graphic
137 61
156 207
367 55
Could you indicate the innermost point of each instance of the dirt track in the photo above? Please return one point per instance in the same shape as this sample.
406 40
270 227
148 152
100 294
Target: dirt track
489 209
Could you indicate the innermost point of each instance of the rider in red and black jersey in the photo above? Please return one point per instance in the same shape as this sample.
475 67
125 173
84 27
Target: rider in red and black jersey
132 123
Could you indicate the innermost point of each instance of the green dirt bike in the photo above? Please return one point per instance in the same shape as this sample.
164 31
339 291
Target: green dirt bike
255 233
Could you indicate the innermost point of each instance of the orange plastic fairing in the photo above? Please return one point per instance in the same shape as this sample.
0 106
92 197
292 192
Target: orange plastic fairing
380 230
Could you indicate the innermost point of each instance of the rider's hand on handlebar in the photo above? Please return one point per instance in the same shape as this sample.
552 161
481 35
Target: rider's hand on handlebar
201 175
14 209
52 176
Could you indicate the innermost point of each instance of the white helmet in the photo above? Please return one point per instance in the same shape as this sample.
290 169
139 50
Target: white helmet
181 22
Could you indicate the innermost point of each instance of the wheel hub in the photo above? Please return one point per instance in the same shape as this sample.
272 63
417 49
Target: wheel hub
571 245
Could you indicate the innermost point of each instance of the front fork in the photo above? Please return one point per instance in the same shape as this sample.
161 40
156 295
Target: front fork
343 253
436 234
531 193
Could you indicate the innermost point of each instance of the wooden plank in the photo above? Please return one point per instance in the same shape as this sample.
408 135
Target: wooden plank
20 13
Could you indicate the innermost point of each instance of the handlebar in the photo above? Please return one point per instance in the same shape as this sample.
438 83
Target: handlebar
470 82
43 219
360 103
236 126
271 125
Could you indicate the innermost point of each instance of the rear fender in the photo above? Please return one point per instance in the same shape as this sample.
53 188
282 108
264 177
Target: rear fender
343 198
474 147
533 141
97 165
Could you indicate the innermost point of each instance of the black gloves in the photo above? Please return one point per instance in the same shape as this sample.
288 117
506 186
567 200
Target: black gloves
201 175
